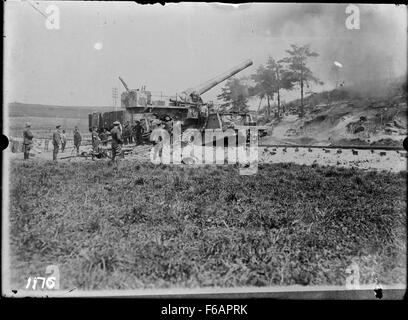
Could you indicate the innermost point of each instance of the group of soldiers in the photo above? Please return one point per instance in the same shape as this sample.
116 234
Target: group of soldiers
59 141
133 132
118 136
130 133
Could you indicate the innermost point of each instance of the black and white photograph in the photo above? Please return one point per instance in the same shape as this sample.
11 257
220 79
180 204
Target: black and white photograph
253 149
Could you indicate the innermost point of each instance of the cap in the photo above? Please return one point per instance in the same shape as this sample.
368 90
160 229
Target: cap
58 126
116 123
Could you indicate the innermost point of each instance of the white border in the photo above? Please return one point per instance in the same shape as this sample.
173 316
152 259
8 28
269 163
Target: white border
6 289
5 248
200 291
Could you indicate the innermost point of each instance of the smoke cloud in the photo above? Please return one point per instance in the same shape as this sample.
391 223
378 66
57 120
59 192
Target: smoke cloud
370 56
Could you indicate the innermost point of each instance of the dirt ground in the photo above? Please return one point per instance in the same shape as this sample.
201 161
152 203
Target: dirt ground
392 161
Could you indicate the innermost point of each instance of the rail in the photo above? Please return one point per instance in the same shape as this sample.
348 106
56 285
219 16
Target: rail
356 147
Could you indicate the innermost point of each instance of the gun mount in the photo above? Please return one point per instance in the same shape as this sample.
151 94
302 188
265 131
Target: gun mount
208 85
193 94
188 108
134 98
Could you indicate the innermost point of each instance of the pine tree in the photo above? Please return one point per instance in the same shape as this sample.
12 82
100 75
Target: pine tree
297 70
234 94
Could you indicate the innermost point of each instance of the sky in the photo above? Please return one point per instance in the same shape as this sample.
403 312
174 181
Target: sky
174 47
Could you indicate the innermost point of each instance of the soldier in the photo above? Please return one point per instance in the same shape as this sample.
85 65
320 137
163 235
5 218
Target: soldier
63 140
116 141
77 139
95 142
28 141
158 148
129 132
168 125
56 141
126 133
104 137
137 130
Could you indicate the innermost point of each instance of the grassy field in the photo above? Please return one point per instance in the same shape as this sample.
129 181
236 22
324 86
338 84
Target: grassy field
43 127
17 109
148 226
44 118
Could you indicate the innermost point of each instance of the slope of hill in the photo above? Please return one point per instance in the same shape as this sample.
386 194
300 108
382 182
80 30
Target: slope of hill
346 116
43 118
17 109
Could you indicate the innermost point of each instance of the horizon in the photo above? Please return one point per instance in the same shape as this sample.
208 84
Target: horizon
396 80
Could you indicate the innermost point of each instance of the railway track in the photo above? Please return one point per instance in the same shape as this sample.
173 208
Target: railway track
388 158
355 147
338 150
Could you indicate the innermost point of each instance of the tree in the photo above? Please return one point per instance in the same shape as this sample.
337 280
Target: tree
283 78
297 71
235 95
263 87
270 80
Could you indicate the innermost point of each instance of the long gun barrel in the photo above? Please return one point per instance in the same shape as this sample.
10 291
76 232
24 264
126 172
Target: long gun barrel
124 84
206 86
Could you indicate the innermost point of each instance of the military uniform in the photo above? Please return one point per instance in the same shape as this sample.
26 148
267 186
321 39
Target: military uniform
103 136
137 130
116 142
63 141
27 142
127 134
95 142
77 139
56 141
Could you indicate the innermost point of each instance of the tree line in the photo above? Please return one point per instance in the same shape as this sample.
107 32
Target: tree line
288 73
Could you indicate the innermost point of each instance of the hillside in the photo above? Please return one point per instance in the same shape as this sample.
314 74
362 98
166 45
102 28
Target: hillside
17 109
346 116
43 118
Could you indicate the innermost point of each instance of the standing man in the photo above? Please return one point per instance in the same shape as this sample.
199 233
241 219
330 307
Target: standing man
168 125
104 137
77 139
63 140
56 141
126 133
28 141
116 141
138 132
95 142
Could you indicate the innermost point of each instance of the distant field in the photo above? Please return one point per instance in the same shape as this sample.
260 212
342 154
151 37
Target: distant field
44 118
43 127
38 110
148 226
